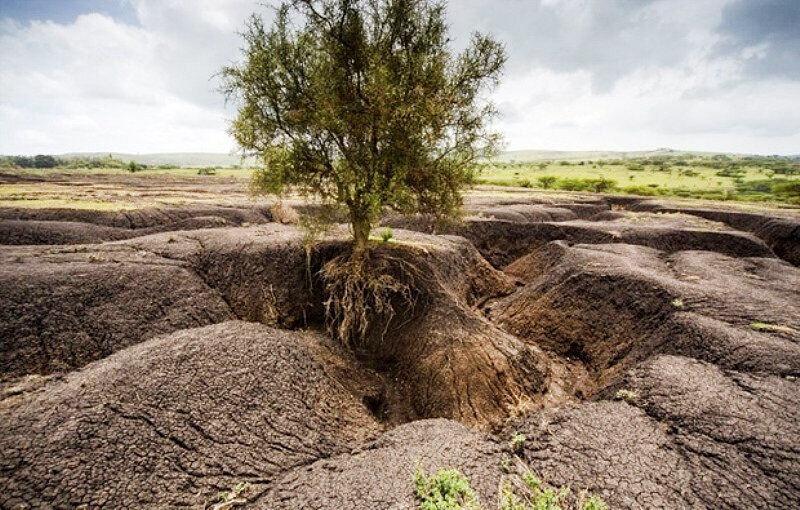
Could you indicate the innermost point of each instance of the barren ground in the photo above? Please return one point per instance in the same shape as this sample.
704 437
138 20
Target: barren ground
163 340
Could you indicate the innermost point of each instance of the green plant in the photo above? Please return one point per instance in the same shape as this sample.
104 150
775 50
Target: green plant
764 326
447 489
546 181
386 235
208 170
518 442
677 303
229 499
531 495
365 104
628 396
591 503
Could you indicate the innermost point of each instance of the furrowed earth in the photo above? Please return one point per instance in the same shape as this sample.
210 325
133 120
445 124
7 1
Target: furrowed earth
170 345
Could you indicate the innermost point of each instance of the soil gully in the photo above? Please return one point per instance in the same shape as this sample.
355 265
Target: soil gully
165 400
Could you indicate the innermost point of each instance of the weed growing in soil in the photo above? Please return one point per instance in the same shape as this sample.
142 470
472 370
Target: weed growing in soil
628 396
763 326
518 442
531 495
232 498
447 489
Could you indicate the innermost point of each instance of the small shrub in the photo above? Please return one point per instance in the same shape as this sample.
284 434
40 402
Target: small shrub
546 181
763 326
678 303
447 489
229 499
628 396
518 442
208 170
525 183
592 503
386 235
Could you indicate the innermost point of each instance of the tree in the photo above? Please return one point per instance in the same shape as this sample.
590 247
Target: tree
44 161
363 103
546 181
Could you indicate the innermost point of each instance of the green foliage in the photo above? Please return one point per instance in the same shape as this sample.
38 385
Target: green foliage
546 181
363 103
132 167
764 326
592 503
207 170
532 495
518 442
229 499
447 489
598 185
386 235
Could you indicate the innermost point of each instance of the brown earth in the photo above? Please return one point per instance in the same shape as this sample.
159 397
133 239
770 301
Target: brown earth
647 350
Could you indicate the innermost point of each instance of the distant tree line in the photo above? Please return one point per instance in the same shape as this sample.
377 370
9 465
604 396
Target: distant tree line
38 161
72 162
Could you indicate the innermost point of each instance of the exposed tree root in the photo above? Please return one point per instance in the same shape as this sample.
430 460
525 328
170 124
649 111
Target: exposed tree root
365 291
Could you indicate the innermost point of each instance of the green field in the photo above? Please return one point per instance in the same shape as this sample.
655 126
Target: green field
718 177
655 173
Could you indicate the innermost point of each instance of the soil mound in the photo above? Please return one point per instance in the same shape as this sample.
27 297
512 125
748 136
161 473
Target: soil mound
525 213
612 305
502 241
173 421
780 233
61 308
449 360
380 474
138 218
64 307
26 232
23 226
684 436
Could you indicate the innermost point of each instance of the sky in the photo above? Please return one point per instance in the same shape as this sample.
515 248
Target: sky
139 76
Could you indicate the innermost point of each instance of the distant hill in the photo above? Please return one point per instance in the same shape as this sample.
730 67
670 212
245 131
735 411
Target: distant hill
197 159
171 158
531 155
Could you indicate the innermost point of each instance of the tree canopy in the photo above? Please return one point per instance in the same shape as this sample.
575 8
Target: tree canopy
364 103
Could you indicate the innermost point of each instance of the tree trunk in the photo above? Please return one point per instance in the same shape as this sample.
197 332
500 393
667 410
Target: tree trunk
361 226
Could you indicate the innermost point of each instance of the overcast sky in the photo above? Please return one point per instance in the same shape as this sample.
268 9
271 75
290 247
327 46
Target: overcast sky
137 75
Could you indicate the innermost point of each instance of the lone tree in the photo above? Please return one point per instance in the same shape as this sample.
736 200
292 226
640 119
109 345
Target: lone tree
363 103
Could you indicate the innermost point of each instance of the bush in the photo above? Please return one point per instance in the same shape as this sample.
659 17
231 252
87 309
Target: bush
589 184
448 489
546 181
208 170
640 190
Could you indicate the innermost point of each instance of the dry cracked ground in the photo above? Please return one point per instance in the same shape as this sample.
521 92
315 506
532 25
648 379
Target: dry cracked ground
648 352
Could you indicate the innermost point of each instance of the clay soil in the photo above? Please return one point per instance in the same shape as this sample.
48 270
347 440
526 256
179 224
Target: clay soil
172 346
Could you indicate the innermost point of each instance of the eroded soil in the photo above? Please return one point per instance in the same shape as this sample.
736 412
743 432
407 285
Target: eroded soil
154 357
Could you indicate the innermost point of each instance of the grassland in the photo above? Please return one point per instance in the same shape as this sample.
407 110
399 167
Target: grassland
758 179
752 179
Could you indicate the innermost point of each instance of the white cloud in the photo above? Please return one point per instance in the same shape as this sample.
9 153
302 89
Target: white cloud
98 84
583 75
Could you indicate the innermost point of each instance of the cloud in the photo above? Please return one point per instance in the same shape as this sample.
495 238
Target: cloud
617 74
100 84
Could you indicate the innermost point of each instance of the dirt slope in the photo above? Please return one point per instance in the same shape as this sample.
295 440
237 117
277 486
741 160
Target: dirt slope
172 421
648 351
